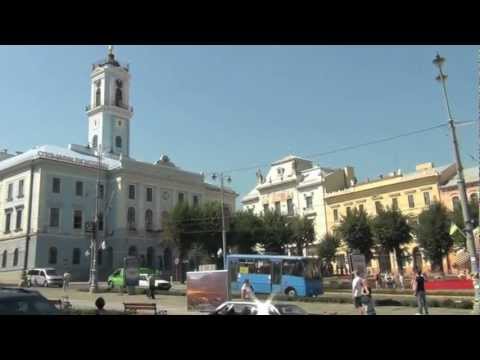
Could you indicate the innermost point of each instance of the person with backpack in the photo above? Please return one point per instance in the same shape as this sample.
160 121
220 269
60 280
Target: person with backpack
418 286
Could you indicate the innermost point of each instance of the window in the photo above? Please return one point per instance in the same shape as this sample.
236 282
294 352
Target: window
265 208
426 198
150 257
411 201
263 267
149 220
20 189
455 202
76 256
395 204
132 251
54 217
4 259
101 191
15 257
349 210
309 201
474 198
52 255
100 222
360 207
195 200
118 141
77 219
79 188
335 215
56 185
290 207
149 194
131 218
8 218
18 225
131 192
10 192
95 141
378 207
181 197
118 96
292 267
277 207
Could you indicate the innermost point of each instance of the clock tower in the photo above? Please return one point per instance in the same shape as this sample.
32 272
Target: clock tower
109 112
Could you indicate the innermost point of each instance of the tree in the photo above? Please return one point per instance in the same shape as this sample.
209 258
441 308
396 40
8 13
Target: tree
245 231
433 234
391 231
327 249
302 233
276 233
457 218
355 230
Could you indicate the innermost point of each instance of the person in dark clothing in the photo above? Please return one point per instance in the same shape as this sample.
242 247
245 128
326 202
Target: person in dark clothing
100 304
151 286
418 286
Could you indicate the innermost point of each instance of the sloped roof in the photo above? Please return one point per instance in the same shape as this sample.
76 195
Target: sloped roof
470 175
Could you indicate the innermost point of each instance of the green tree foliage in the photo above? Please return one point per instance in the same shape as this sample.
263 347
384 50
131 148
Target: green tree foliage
355 230
433 234
276 233
391 231
327 248
246 230
302 232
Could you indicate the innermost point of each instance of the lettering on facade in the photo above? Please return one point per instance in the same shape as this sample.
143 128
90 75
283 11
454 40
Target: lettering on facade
71 160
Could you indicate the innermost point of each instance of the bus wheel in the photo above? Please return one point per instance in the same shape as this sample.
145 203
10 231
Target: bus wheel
291 292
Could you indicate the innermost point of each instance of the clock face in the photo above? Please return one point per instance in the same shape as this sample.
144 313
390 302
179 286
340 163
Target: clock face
165 195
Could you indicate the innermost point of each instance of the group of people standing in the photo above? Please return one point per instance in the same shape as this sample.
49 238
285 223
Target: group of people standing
362 293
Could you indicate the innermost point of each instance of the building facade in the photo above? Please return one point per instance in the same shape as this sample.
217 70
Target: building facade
294 186
409 193
449 194
48 193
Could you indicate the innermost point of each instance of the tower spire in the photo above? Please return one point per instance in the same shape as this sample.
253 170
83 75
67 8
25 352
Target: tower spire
110 50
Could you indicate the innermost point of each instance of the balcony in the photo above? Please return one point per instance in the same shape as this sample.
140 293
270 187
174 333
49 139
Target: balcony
121 106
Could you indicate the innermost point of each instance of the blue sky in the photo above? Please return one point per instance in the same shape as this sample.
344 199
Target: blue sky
213 108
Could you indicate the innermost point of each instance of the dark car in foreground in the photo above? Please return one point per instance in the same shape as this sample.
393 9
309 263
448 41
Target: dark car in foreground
18 301
257 308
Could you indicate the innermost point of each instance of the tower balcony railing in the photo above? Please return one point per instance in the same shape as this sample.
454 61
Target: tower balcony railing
122 106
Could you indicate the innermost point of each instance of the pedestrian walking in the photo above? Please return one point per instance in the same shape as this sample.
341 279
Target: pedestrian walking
378 281
66 280
367 300
357 287
418 286
151 285
247 290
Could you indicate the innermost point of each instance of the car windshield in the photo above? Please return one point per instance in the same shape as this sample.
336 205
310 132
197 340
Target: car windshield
290 310
27 306
51 272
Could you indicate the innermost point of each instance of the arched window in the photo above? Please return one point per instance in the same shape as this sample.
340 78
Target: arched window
52 255
131 218
132 251
97 96
15 257
167 259
4 259
150 257
118 141
118 97
95 141
99 257
142 260
474 198
149 220
76 256
455 202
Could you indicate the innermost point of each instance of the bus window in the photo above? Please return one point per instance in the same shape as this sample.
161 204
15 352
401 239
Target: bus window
246 266
292 267
263 267
312 269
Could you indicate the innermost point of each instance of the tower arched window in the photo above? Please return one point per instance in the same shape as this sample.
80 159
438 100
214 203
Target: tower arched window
149 220
119 95
131 218
15 257
95 141
118 141
98 96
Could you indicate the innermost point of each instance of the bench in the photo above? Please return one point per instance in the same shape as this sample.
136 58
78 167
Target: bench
134 307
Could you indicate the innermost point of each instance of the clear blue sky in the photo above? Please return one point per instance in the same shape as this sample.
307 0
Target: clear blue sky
222 107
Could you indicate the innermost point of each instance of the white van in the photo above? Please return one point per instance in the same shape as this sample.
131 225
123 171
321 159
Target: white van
44 277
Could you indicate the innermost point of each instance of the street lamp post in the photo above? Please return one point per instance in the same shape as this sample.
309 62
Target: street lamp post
94 240
442 77
224 232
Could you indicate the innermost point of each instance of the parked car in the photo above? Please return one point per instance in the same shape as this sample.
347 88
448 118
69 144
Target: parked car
253 308
117 279
18 301
159 283
44 277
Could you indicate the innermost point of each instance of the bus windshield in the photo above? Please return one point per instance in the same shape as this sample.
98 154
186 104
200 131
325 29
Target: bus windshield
312 269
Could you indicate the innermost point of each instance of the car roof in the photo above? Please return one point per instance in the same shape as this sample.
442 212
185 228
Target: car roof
6 292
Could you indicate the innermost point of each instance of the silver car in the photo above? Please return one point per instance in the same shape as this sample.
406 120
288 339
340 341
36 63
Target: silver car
46 277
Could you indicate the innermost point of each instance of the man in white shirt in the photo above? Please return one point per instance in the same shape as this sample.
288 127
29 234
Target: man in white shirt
357 286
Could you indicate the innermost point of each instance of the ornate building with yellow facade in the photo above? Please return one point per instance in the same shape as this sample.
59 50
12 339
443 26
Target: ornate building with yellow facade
410 193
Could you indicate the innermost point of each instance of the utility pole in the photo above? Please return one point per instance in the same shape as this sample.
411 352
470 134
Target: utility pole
442 77
224 232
